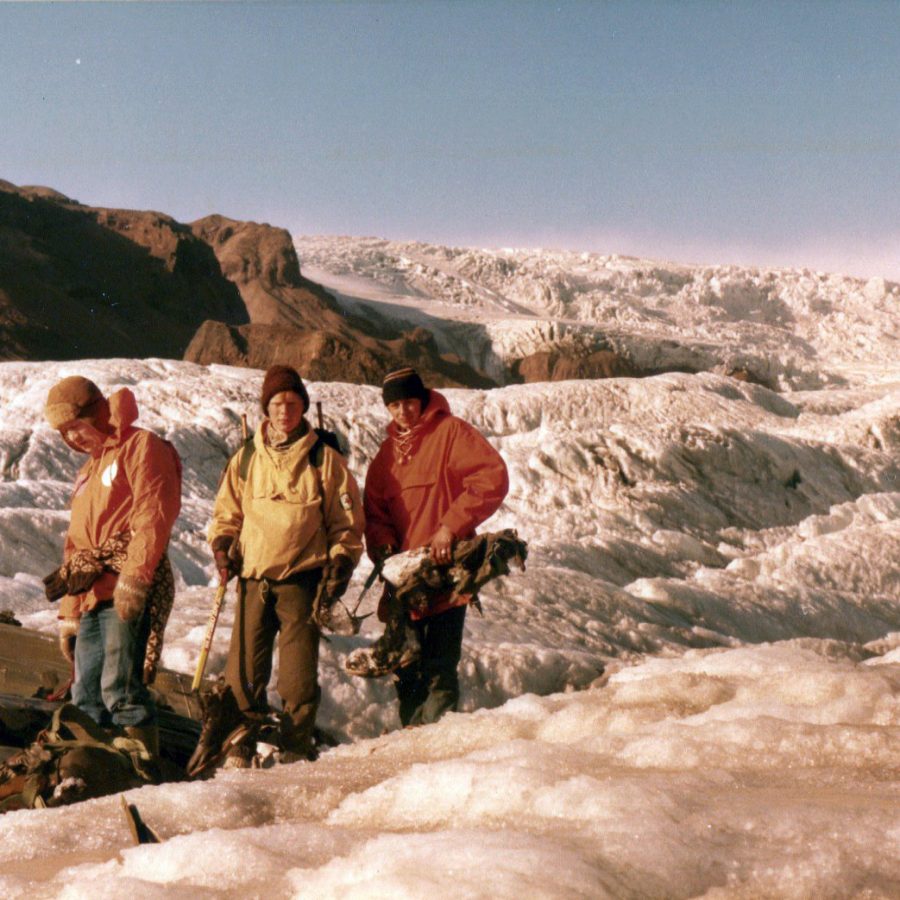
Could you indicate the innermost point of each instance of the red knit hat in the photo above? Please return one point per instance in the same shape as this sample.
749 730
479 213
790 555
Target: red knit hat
282 378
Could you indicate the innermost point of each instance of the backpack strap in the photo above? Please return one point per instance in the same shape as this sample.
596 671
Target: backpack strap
317 451
246 451
316 456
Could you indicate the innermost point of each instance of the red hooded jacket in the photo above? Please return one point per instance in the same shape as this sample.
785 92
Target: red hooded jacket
132 483
454 478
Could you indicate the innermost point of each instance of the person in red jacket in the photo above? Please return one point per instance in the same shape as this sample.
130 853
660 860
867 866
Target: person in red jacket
434 480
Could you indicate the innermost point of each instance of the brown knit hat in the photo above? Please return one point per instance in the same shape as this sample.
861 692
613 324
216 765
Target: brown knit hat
404 384
282 378
72 398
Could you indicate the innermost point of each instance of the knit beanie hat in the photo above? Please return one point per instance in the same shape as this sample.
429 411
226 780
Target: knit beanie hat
404 384
282 378
72 398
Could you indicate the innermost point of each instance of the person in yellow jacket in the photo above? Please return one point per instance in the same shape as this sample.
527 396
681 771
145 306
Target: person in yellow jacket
284 522
115 584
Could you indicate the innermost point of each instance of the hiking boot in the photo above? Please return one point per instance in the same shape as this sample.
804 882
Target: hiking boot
291 756
221 719
241 749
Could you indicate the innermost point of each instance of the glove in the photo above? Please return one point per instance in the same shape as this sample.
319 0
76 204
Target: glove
55 586
129 597
336 577
227 557
332 586
68 631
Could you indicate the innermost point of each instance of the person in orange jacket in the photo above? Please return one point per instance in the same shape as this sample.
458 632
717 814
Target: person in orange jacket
432 482
115 584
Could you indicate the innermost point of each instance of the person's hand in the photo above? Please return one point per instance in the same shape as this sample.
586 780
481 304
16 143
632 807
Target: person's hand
336 576
68 631
327 613
227 558
442 545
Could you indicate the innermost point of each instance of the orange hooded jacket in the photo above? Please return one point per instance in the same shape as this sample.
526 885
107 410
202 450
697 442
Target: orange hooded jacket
454 478
132 484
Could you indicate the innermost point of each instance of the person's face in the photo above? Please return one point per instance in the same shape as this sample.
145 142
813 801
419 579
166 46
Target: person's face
286 411
81 435
406 413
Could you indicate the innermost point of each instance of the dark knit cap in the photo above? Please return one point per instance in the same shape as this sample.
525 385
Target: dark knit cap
72 398
282 378
404 384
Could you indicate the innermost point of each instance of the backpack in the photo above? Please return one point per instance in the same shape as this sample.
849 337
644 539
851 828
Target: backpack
73 760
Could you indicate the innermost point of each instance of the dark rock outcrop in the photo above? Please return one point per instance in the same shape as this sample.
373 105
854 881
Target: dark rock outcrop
322 355
561 366
261 261
81 282
296 322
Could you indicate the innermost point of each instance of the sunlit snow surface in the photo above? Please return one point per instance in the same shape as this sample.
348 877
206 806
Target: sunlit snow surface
727 553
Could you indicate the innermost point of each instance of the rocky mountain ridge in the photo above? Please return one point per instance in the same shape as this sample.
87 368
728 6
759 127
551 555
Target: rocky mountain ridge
79 282
87 282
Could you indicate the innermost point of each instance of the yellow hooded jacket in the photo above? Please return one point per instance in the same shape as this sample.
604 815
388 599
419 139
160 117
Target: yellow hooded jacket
282 522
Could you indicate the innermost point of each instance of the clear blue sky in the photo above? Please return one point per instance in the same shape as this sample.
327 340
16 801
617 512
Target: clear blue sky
751 132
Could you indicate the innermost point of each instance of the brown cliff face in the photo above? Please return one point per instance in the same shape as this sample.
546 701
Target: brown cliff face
558 366
80 282
261 262
324 355
296 322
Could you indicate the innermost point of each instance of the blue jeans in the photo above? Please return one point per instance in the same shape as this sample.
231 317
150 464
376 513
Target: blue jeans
109 668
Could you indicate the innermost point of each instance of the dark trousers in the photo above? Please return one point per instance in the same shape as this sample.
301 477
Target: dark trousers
266 609
430 687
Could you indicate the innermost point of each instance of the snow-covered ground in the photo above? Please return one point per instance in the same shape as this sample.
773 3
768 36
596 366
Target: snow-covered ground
693 690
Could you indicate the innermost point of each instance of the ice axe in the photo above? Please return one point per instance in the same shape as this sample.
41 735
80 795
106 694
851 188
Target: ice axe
349 623
358 620
218 603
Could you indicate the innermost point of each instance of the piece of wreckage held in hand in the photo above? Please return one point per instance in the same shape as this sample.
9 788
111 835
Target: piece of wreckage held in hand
413 579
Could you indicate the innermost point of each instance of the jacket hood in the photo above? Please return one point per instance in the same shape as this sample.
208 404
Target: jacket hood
123 413
438 408
123 410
